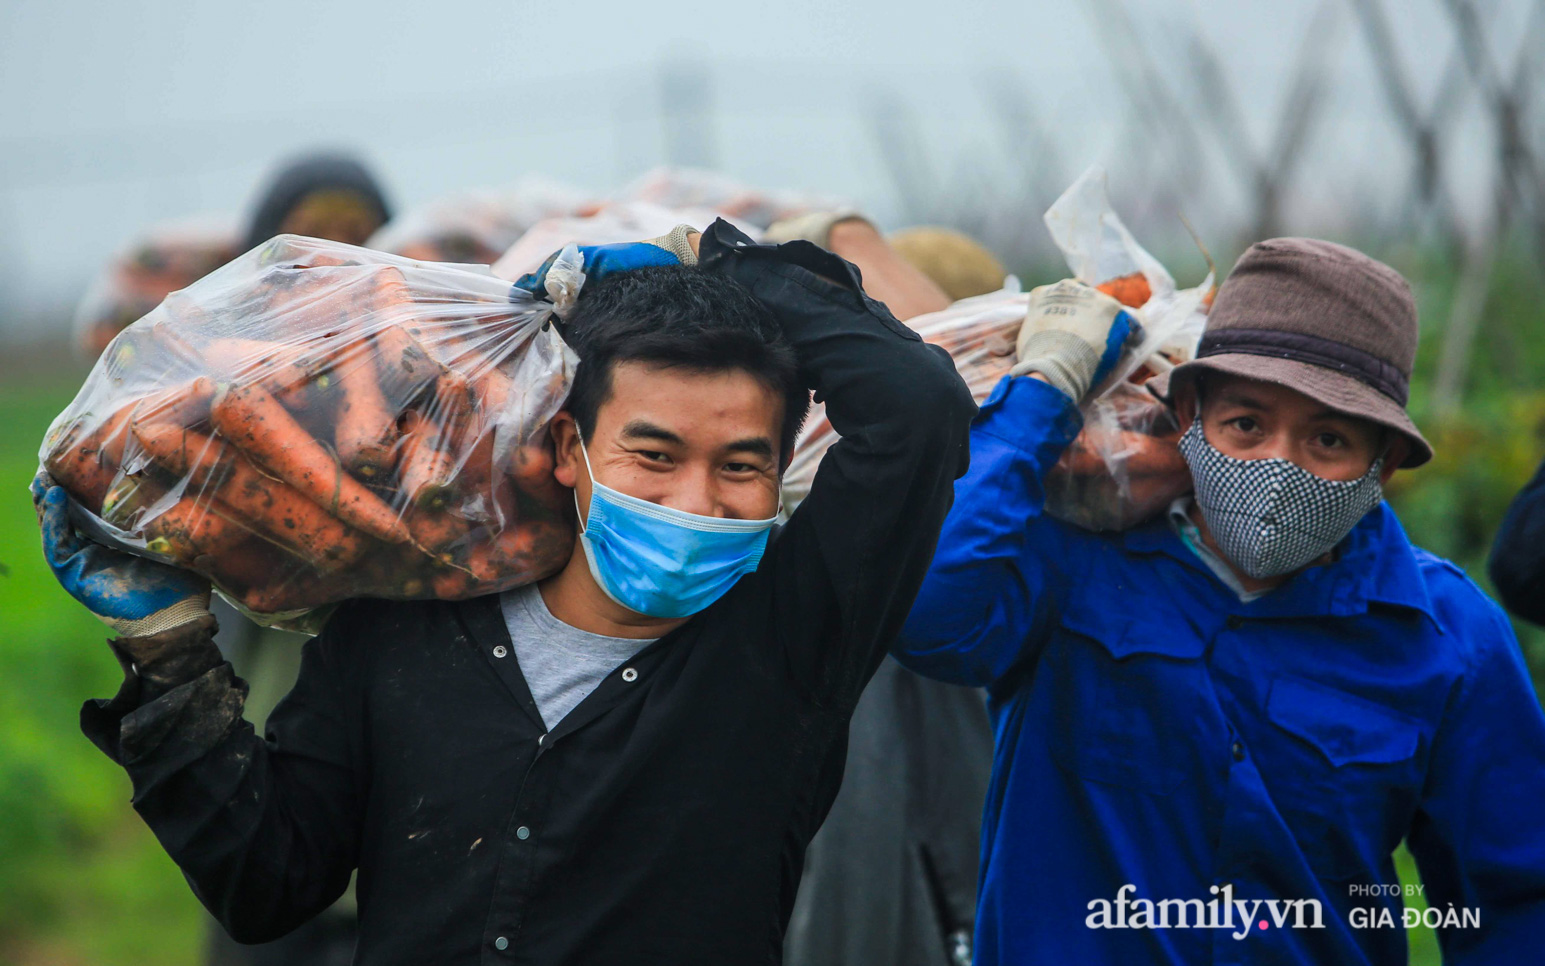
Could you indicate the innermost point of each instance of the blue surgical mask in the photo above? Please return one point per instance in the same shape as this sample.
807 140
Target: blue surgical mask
661 562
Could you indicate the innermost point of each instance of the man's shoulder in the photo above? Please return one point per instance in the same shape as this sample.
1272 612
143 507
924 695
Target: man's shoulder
1448 585
373 624
1463 611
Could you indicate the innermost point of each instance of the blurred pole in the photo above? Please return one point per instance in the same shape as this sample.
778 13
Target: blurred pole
1421 130
1521 174
1517 189
1266 176
1167 121
686 109
1464 321
905 157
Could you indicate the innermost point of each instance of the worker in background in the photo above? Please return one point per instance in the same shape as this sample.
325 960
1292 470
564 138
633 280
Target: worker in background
891 876
1517 564
960 265
328 196
321 195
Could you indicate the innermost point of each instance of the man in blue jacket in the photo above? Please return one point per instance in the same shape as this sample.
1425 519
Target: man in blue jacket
1213 730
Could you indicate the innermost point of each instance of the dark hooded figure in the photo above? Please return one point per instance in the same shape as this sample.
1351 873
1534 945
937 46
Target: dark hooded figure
335 197
1517 564
330 196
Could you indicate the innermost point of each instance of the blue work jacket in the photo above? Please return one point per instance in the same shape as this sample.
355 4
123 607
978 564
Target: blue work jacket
1158 740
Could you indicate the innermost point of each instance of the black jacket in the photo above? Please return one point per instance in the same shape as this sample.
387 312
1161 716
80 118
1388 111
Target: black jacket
891 878
665 819
1517 563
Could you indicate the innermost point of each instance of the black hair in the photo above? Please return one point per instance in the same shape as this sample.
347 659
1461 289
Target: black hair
679 316
304 175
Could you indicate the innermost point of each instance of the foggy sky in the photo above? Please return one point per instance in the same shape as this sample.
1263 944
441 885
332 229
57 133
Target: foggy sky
115 116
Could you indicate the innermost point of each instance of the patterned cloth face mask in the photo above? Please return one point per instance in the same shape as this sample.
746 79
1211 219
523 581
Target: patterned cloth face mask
1270 516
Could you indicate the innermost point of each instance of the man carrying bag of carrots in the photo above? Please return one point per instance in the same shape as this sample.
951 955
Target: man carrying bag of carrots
620 764
1214 729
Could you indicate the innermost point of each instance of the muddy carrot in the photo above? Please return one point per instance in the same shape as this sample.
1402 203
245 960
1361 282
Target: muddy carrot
385 292
294 373
365 429
436 531
194 528
453 404
275 508
541 495
86 462
255 423
185 405
251 563
406 367
532 465
296 592
425 470
452 585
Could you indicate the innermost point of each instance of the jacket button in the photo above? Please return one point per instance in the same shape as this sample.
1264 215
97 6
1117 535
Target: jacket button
1238 751
501 944
523 833
629 674
500 650
1235 622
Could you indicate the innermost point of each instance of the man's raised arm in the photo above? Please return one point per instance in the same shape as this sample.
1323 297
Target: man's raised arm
847 565
988 591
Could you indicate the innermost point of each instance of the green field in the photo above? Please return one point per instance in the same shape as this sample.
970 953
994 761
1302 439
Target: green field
83 882
81 878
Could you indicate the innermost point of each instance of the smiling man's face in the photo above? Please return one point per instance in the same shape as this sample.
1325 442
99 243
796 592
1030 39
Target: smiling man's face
700 442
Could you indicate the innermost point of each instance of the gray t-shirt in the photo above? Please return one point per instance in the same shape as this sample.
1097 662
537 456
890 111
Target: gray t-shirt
561 664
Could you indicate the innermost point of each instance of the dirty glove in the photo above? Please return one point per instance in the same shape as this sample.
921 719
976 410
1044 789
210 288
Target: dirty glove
134 596
602 260
1073 335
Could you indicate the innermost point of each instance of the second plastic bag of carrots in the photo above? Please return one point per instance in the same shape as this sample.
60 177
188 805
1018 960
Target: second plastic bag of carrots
315 422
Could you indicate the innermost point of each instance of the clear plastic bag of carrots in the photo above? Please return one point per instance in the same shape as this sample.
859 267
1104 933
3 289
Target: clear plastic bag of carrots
1124 467
315 422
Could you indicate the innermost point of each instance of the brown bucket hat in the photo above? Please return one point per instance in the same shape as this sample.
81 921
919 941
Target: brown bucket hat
1320 318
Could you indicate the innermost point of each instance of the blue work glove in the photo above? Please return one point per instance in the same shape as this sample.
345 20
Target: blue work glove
134 596
603 260
1074 335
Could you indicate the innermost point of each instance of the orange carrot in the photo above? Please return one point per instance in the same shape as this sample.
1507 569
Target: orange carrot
405 365
532 474
253 420
365 428
452 406
183 531
294 373
384 293
86 462
453 585
252 562
191 529
436 531
1131 290
297 591
185 405
532 466
277 509
425 471
491 389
